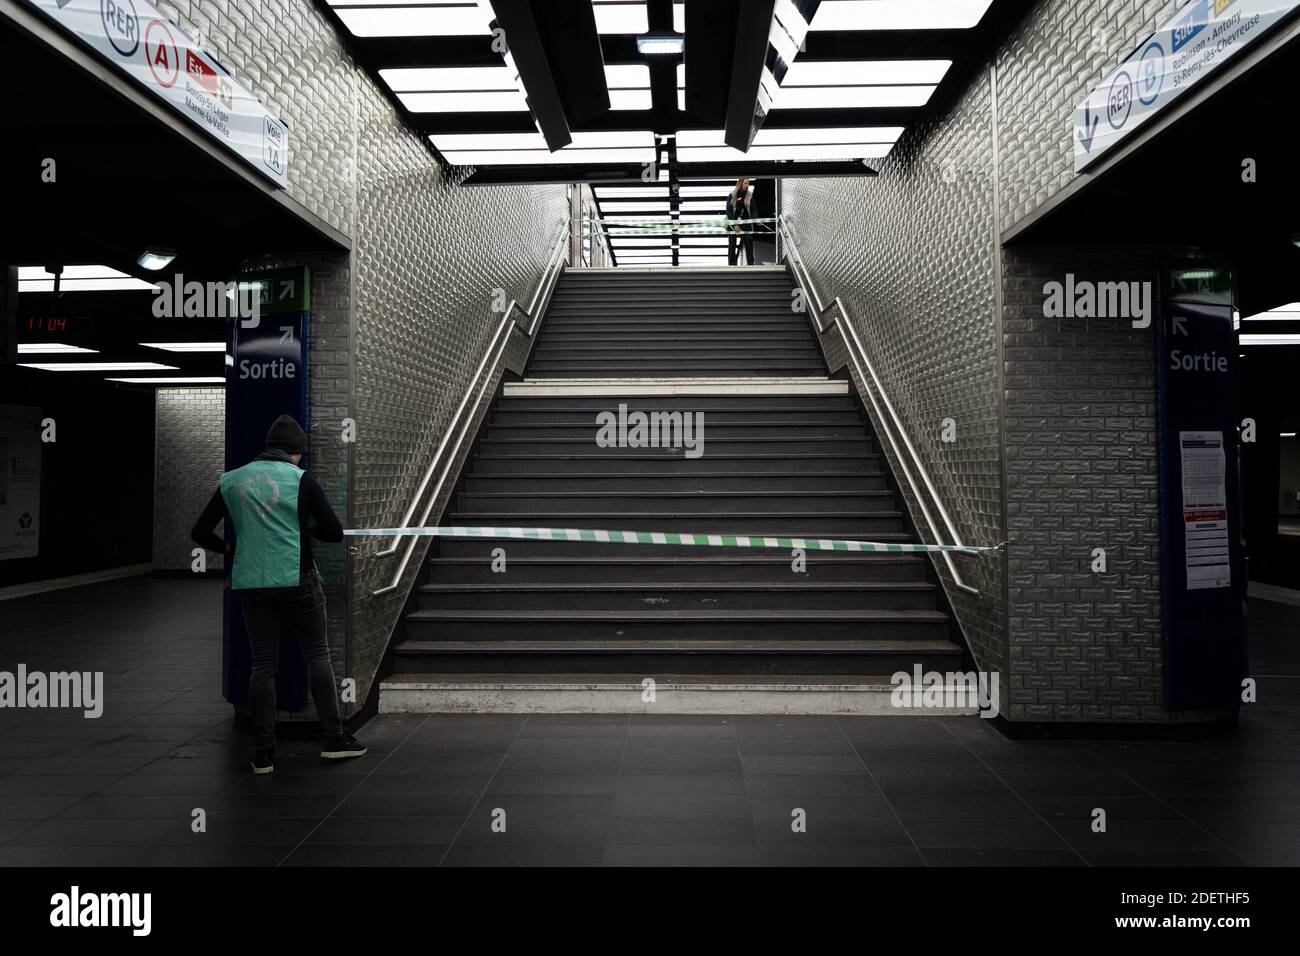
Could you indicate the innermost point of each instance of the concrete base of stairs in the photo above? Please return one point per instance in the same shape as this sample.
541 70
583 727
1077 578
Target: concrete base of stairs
598 694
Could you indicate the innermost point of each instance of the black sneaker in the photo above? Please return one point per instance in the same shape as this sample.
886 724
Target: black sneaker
341 748
264 761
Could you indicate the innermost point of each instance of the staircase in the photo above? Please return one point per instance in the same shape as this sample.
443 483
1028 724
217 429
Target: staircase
786 451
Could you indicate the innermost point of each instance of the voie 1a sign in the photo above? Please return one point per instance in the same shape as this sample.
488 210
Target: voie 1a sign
1195 42
135 37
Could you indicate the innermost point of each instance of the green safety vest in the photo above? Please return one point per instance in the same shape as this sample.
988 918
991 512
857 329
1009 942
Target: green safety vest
262 502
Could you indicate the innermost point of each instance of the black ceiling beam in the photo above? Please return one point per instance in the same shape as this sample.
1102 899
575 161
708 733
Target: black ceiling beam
626 173
521 122
524 41
572 45
744 116
397 52
710 44
765 169
663 70
629 174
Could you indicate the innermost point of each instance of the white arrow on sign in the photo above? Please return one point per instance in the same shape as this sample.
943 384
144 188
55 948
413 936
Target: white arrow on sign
1180 324
286 289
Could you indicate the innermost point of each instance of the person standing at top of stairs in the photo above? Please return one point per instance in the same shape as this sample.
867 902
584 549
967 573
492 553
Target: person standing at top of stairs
739 214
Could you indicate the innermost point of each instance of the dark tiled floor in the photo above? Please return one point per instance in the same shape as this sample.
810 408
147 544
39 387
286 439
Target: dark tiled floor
587 790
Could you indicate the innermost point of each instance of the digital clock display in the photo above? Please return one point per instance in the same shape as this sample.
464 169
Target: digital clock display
47 324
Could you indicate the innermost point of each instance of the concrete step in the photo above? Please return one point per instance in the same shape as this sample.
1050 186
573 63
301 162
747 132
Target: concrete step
753 445
748 627
714 429
505 461
657 482
665 657
766 502
506 594
595 693
882 526
702 567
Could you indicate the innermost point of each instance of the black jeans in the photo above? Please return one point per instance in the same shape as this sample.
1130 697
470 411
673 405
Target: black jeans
305 607
746 240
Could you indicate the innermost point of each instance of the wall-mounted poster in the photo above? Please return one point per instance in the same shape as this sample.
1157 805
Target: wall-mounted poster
20 481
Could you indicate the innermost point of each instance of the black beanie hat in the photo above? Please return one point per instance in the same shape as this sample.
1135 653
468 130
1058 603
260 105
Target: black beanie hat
287 436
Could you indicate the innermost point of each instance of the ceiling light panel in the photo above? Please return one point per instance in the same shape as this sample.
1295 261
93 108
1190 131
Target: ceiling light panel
833 151
851 97
796 137
865 72
620 16
462 102
448 79
99 366
174 380
407 20
53 348
899 14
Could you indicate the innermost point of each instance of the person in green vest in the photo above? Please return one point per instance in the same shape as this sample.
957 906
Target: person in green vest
273 508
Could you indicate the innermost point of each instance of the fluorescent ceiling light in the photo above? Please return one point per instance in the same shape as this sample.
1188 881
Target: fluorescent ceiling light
850 97
414 21
448 79
186 346
660 44
99 366
627 76
155 259
623 139
79 279
630 100
620 208
833 151
53 348
180 380
796 137
1283 313
679 17
865 72
567 156
494 101
1287 435
1261 338
620 16
899 14
638 192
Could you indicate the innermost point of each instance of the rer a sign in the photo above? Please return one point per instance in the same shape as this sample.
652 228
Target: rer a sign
156 54
1195 42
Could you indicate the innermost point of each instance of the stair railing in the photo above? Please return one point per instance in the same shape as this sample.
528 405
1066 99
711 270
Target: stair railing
515 319
835 317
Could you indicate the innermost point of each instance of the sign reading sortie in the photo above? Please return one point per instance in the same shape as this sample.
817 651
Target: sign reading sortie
158 55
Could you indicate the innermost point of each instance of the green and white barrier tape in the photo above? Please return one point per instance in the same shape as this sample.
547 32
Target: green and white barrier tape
658 227
667 537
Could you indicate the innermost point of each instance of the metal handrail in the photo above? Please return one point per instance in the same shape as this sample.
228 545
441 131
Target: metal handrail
839 317
527 320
